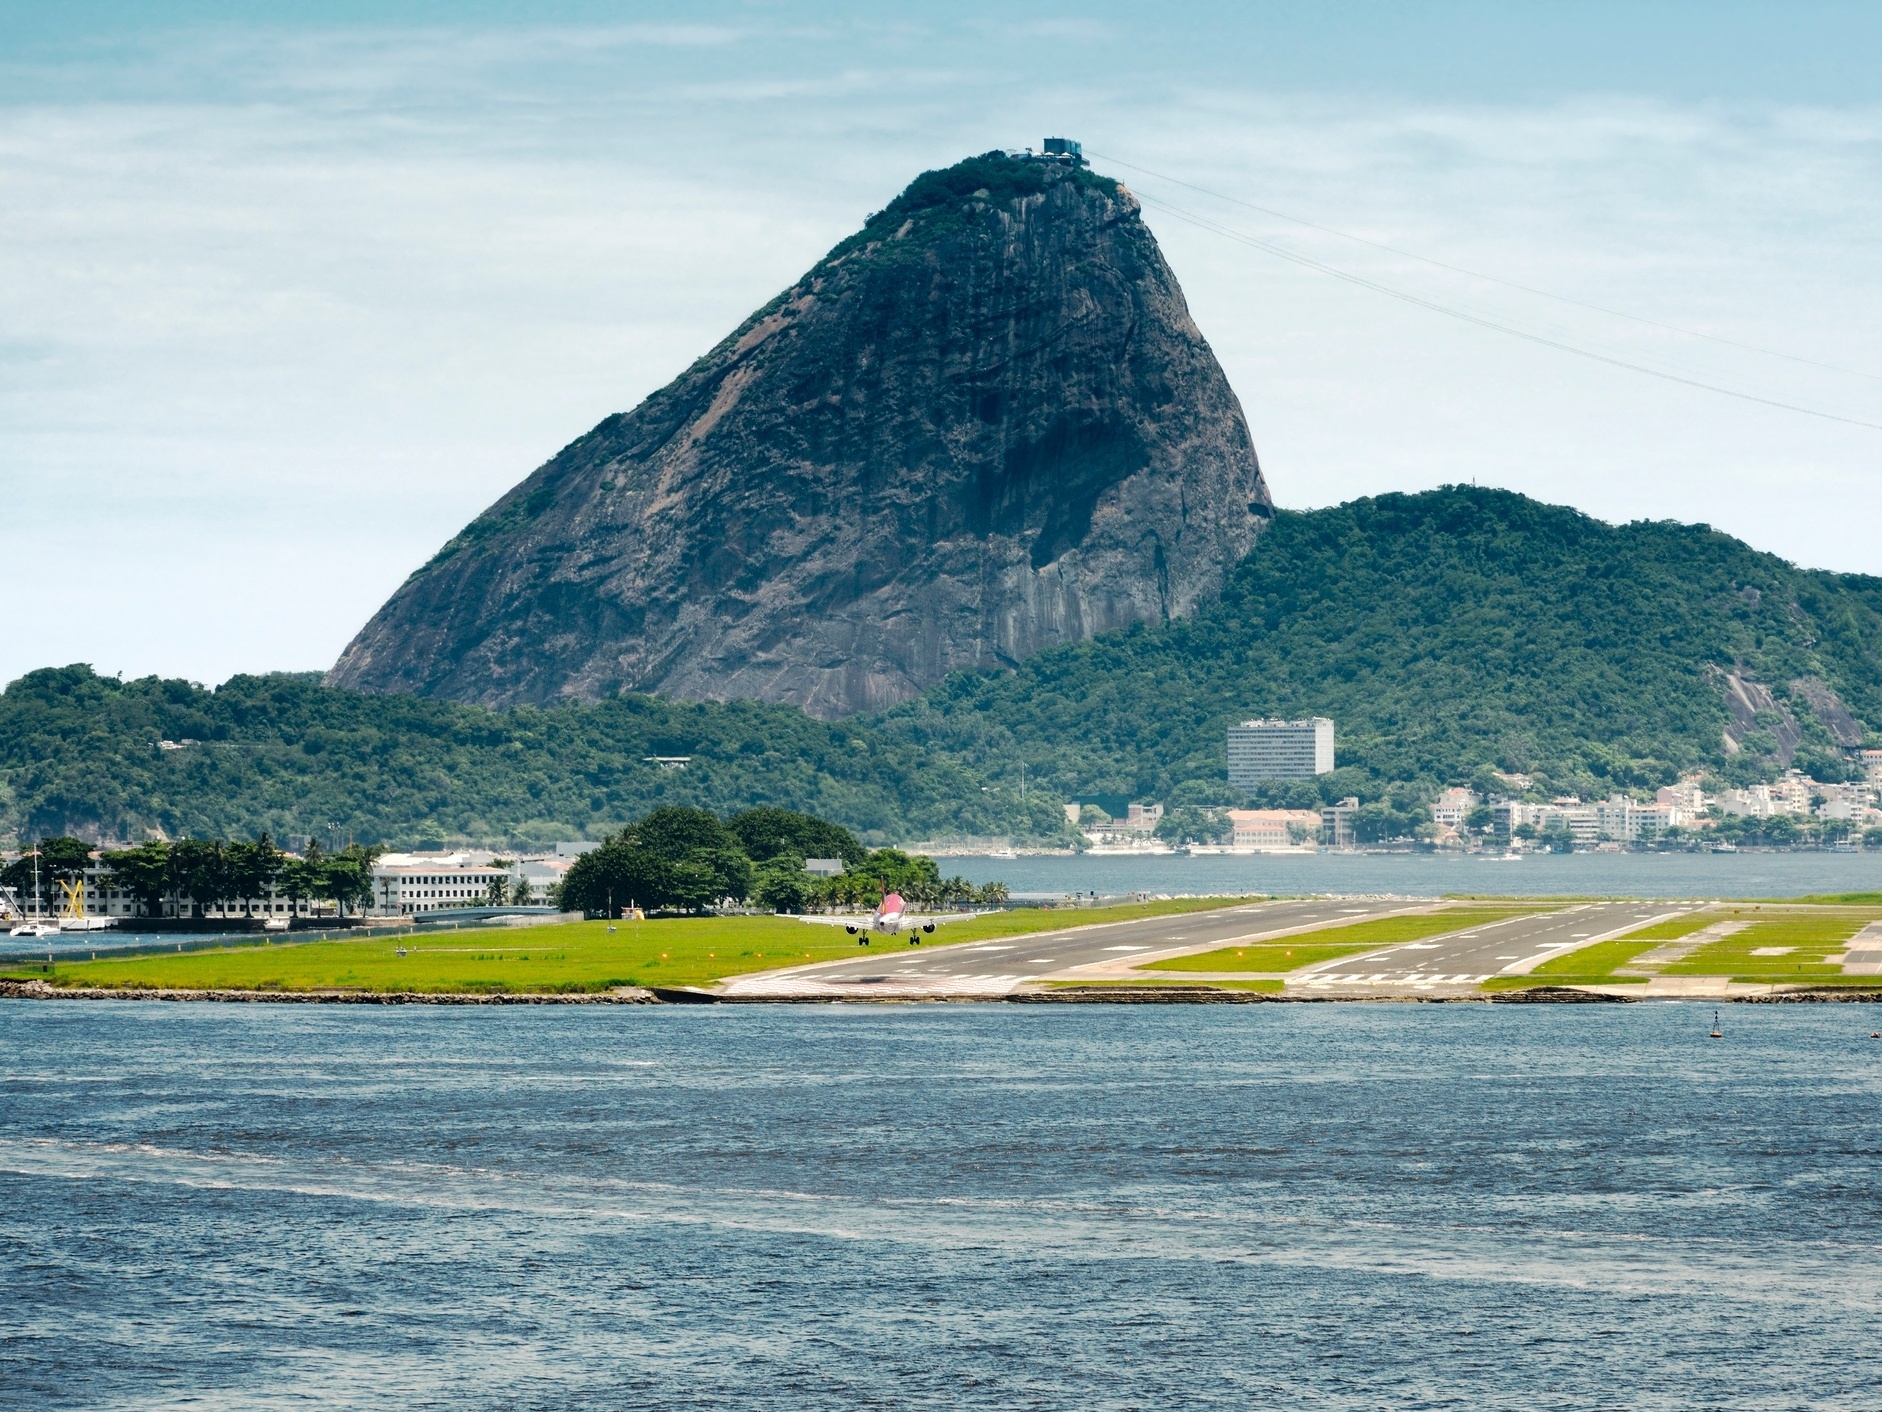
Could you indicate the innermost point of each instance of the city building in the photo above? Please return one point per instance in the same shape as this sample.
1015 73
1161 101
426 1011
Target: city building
407 884
1269 829
1336 823
824 867
1686 796
1142 818
1453 807
1266 750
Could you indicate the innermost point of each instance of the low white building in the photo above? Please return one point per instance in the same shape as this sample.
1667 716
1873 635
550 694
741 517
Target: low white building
1267 830
409 884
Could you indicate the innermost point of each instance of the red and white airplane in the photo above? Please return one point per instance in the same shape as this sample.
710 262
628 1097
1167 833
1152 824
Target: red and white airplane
891 917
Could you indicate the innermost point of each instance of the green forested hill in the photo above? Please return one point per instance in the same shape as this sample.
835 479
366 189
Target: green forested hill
80 753
1445 633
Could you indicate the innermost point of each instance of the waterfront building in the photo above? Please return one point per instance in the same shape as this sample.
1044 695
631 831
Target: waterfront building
411 884
1266 750
1336 823
1266 830
1142 818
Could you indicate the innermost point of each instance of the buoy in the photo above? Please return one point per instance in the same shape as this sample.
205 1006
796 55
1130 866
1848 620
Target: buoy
1717 1033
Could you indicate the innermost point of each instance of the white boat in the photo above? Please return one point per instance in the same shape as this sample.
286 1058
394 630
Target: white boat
35 929
1503 858
275 924
83 924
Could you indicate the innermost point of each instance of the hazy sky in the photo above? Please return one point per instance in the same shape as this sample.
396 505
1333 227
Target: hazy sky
285 301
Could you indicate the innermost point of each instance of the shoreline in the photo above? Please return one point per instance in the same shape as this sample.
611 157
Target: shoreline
1080 995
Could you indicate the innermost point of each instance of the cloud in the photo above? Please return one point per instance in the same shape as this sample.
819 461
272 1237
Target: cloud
288 310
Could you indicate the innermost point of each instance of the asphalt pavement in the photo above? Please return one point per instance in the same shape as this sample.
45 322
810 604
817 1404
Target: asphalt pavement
894 969
1457 963
1463 960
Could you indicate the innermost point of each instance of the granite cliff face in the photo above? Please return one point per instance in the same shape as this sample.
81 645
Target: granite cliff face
984 425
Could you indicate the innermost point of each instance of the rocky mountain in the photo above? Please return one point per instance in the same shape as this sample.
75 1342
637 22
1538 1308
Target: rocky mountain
983 425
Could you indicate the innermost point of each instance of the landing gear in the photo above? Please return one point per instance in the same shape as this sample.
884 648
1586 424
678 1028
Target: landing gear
914 941
862 941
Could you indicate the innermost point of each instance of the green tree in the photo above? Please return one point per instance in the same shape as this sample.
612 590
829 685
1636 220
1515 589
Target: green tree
1190 824
251 870
768 832
144 872
199 872
781 884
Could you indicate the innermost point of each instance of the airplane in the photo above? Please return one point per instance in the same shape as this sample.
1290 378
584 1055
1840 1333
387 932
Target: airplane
890 918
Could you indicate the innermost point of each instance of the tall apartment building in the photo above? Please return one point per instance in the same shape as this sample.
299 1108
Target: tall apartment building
1260 751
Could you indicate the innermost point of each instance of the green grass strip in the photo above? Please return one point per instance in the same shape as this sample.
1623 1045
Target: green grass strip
1595 965
573 957
1804 941
1329 943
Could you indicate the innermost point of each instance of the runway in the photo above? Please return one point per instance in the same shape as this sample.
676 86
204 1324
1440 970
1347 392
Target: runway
1439 966
990 969
1464 960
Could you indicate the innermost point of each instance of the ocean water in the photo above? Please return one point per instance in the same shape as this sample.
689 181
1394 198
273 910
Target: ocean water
1710 875
1353 1206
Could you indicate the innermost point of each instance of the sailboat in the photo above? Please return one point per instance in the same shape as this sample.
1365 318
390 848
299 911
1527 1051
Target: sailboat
35 928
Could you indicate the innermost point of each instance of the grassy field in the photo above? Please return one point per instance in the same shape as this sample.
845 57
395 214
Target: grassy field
1801 939
1802 935
577 956
1595 965
1330 943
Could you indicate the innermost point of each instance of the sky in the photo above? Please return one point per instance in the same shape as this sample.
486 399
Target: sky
288 294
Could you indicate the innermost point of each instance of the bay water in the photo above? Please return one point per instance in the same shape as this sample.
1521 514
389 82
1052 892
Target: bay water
1687 875
1327 1206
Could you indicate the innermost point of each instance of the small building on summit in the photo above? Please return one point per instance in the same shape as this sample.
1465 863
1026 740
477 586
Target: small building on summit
1266 750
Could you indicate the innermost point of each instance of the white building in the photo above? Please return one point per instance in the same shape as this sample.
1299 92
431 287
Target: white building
1260 751
408 884
99 893
1686 796
1266 830
1453 807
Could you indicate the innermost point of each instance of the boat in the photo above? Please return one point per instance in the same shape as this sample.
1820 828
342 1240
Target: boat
73 916
276 924
35 929
1502 858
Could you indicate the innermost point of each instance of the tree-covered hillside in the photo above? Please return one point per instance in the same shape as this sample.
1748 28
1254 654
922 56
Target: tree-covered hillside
81 753
1446 634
